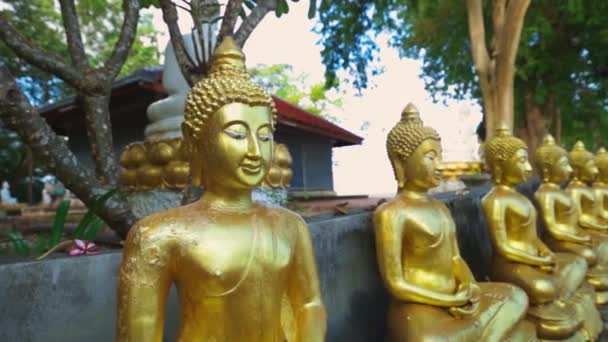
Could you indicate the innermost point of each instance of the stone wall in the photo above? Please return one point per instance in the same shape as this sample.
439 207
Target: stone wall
73 299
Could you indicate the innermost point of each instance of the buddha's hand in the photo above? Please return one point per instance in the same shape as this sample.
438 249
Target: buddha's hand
548 264
466 310
472 292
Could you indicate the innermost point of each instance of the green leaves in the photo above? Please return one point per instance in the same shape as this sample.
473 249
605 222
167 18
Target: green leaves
90 223
100 20
59 224
280 80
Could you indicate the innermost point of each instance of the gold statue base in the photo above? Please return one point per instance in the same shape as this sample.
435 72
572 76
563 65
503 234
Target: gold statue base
152 165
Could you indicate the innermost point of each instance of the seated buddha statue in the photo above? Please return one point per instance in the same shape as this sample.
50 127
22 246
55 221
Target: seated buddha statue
600 185
234 262
563 233
558 302
584 173
435 297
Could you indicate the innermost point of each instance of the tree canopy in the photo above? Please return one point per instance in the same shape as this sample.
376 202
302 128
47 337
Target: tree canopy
41 22
282 81
561 65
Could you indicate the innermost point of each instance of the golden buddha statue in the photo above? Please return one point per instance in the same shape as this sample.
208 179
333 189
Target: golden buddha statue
600 185
434 294
558 303
563 233
584 173
234 262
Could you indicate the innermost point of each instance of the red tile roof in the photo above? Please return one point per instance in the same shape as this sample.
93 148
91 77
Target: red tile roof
149 80
294 116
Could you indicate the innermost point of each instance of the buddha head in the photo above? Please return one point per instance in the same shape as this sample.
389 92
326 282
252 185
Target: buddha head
506 158
601 161
583 163
552 162
415 152
228 124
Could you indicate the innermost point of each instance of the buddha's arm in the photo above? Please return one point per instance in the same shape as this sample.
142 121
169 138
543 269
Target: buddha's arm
586 220
547 206
495 217
388 249
142 289
303 290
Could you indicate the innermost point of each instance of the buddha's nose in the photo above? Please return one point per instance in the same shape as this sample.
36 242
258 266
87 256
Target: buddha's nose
253 149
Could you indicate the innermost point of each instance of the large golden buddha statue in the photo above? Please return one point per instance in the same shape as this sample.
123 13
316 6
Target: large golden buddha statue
434 294
557 209
558 302
235 263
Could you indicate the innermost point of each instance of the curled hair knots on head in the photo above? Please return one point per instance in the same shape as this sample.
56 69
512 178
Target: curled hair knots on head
408 134
549 152
579 156
502 146
227 82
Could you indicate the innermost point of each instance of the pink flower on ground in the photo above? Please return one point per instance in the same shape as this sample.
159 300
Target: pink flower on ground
81 247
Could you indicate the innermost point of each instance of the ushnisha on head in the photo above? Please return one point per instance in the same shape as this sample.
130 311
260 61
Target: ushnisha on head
601 161
403 141
552 161
227 83
506 158
583 163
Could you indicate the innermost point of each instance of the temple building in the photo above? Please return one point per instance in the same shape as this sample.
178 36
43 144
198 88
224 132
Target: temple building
310 138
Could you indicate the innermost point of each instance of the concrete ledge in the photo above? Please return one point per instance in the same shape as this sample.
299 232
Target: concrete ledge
74 299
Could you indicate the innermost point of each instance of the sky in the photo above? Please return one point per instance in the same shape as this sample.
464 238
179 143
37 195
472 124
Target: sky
290 40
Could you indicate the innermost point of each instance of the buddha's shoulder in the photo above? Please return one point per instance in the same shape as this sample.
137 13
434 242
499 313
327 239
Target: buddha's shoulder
391 207
157 227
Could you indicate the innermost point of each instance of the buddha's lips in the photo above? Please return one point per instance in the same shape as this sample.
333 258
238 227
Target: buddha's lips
251 169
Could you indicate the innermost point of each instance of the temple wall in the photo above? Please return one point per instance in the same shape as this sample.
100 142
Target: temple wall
73 299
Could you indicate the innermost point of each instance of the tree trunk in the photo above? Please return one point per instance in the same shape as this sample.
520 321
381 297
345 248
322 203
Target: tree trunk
534 124
495 66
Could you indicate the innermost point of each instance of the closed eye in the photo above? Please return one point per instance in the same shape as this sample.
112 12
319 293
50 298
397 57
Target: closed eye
265 137
235 135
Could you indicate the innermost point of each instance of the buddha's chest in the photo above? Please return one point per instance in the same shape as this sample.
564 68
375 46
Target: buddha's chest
563 206
219 260
520 213
427 227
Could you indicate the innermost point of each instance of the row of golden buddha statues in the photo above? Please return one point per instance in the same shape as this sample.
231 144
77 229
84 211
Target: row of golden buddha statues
247 272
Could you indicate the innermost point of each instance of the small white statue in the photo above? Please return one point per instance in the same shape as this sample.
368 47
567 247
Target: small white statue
5 194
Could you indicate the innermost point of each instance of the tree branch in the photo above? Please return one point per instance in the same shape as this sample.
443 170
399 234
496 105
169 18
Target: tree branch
252 20
186 64
231 14
482 62
39 58
508 44
125 41
73 34
20 116
498 19
477 33
99 131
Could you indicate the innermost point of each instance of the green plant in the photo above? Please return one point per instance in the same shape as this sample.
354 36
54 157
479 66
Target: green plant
87 229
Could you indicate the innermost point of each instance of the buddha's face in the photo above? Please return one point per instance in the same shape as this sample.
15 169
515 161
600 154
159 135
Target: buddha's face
560 171
602 172
516 169
589 171
423 169
238 146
